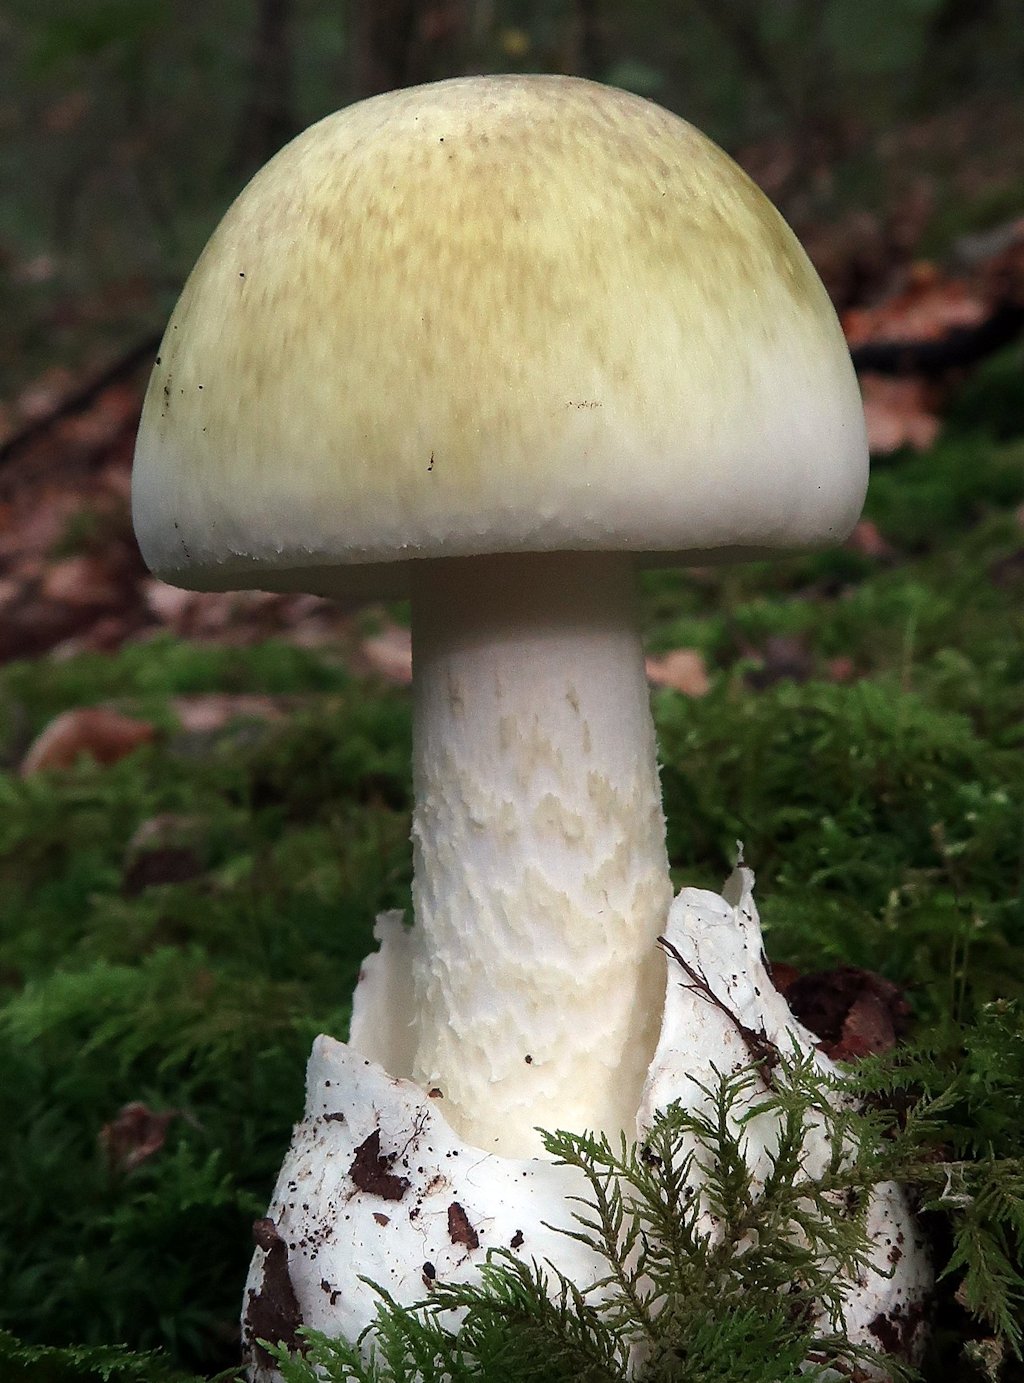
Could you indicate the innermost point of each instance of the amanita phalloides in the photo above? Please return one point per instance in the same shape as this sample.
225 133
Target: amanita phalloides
491 343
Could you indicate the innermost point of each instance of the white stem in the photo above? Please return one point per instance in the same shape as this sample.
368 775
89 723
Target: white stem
541 879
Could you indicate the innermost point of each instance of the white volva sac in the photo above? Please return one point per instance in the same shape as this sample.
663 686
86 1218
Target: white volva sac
492 344
377 1184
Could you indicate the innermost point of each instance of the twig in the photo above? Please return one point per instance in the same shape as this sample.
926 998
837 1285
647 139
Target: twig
80 398
764 1054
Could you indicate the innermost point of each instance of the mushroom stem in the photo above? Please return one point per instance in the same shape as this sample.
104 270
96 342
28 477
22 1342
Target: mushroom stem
541 878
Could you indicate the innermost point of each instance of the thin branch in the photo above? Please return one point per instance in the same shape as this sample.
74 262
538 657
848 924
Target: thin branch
764 1054
79 399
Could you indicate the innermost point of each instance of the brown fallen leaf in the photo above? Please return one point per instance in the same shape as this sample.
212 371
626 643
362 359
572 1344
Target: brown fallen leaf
102 635
930 306
67 111
867 540
97 428
389 654
783 975
869 1026
683 670
40 397
169 604
841 669
82 582
899 413
217 612
35 530
91 731
855 1012
245 616
135 1135
41 268
785 657
10 591
206 712
31 626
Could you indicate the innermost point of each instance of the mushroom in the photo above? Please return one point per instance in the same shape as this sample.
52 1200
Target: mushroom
492 343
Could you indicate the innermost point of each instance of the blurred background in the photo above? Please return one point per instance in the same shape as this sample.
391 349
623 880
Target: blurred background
884 129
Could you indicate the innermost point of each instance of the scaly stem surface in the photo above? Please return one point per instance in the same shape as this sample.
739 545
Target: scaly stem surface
541 878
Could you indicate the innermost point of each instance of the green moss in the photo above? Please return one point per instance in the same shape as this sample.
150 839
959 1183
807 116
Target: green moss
200 996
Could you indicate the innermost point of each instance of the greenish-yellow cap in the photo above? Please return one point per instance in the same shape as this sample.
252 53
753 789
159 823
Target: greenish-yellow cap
494 314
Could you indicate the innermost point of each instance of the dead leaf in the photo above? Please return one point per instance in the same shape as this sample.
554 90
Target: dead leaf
10 591
785 657
683 670
169 604
389 654
929 307
89 731
102 636
869 1027
783 976
869 542
853 1011
41 268
135 1135
83 582
36 529
94 429
44 394
899 413
841 669
207 712
30 627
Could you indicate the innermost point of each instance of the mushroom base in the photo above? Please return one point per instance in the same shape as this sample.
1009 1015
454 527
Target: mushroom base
377 1185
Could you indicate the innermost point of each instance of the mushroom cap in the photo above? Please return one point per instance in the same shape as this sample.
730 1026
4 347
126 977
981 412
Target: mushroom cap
494 314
